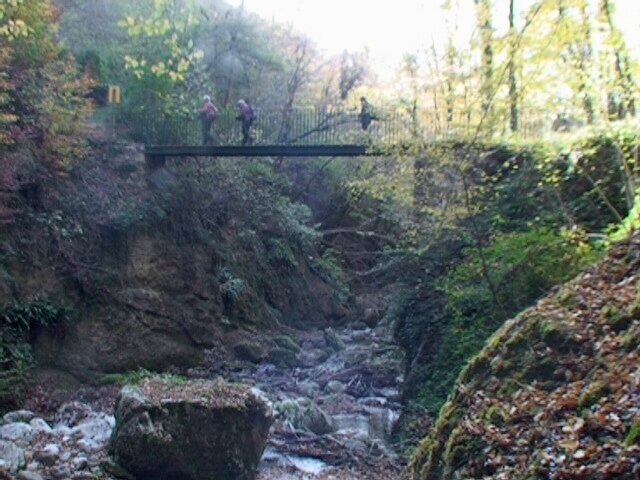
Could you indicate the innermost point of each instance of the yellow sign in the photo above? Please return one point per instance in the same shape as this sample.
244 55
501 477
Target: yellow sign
115 95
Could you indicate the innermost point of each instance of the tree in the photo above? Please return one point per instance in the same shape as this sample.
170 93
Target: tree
625 84
513 80
484 17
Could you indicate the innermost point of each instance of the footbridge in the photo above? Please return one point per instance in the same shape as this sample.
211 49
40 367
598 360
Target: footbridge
299 132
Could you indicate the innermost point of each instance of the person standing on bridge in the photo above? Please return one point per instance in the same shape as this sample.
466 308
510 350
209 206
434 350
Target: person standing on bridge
247 117
366 114
209 113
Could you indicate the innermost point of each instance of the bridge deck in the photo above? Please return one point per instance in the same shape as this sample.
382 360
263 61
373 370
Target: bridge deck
159 151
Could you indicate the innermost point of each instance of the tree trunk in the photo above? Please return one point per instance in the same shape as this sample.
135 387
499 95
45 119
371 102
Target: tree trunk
586 67
513 80
624 76
483 10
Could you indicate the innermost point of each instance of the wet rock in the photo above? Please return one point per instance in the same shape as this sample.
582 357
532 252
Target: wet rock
62 472
80 463
83 476
282 357
11 455
166 431
313 357
249 351
333 340
17 432
40 426
48 456
308 388
316 420
303 414
23 416
27 475
362 336
94 431
334 386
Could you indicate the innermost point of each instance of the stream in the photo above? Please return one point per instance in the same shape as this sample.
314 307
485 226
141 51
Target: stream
334 413
336 410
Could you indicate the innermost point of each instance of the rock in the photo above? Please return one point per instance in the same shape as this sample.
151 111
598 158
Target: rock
80 463
306 415
313 357
189 431
316 420
333 340
12 455
72 413
282 357
60 473
17 432
362 336
83 476
40 426
285 341
334 386
94 431
27 475
23 416
48 456
249 351
308 389
371 317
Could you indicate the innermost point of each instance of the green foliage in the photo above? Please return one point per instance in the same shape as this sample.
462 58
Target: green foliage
329 268
280 254
134 377
633 437
17 320
523 266
231 288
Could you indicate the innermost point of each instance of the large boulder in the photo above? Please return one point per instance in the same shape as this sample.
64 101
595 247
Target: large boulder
198 430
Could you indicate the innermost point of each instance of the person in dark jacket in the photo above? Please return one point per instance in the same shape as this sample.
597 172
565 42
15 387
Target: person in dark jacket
366 114
247 116
209 113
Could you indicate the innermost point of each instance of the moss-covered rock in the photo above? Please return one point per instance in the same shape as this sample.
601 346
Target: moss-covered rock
286 342
249 351
189 431
282 357
537 390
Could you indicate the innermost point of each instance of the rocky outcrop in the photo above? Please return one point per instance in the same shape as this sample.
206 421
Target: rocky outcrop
193 431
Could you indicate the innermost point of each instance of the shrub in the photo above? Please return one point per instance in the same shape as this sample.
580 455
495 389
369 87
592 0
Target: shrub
17 320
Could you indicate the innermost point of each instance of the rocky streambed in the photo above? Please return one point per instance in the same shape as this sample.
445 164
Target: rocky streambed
335 411
334 398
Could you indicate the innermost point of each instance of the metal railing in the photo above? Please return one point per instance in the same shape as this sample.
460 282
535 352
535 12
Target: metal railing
315 126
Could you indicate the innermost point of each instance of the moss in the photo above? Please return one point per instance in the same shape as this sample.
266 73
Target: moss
282 357
134 377
461 448
631 340
249 351
286 342
592 393
496 415
539 369
567 299
633 437
617 318
509 387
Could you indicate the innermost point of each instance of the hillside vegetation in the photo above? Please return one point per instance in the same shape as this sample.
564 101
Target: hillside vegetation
554 393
